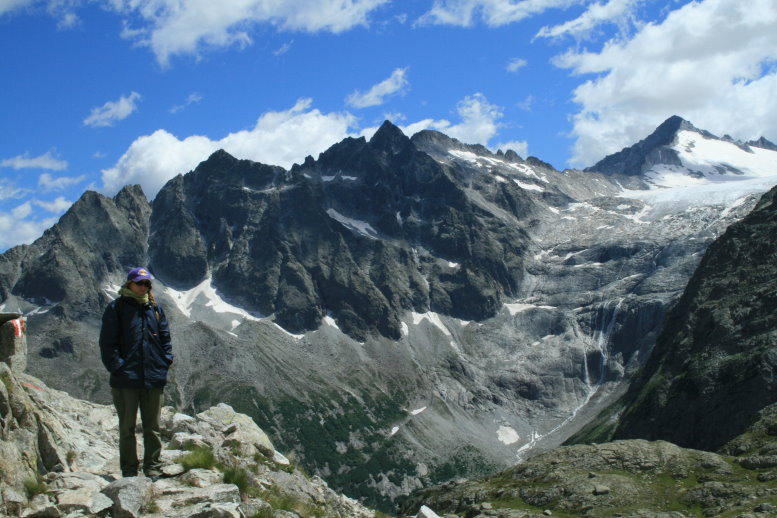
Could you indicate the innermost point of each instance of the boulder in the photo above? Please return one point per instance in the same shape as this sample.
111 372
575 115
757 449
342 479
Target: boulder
130 496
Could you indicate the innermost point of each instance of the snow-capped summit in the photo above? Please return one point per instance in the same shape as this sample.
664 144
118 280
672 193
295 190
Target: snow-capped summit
677 146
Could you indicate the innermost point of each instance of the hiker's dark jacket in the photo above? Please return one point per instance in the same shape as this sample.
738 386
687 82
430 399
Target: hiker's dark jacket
135 347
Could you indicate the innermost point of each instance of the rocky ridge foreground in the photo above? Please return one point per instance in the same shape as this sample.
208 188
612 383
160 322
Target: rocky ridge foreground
628 479
59 459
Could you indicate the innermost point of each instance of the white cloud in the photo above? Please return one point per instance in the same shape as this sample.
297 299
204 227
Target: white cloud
283 49
478 122
56 206
49 183
711 62
526 104
376 95
494 13
7 6
9 190
22 211
519 146
193 98
516 64
113 111
278 138
45 161
614 11
172 27
15 229
152 160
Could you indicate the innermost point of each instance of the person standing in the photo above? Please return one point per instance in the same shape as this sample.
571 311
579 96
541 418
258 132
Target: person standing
136 348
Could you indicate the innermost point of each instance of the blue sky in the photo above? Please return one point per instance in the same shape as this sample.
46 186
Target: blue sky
97 94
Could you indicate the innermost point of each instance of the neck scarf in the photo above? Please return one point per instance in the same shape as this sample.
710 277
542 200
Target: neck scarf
126 292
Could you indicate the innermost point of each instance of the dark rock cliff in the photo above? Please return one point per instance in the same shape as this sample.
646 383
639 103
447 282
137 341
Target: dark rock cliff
364 233
714 363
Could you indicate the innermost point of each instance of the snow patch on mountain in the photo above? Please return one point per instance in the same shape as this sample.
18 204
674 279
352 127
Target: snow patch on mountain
507 435
713 172
433 318
197 302
360 227
516 308
529 186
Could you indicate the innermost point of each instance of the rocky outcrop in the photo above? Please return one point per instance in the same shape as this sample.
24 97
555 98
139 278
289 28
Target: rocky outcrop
653 149
59 458
712 369
632 478
13 341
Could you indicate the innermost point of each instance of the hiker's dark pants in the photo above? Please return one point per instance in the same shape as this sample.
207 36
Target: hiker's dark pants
127 402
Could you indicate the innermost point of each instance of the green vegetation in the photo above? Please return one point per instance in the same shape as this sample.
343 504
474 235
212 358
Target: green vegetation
34 486
340 418
6 378
286 502
266 512
152 507
237 476
197 458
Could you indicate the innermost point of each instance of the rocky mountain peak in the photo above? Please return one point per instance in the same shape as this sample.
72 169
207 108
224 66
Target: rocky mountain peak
635 159
763 143
439 144
389 138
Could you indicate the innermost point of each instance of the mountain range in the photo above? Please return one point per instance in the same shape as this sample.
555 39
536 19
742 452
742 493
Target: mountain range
399 311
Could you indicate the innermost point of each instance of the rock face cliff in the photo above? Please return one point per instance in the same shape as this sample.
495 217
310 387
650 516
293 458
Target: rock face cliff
713 367
357 235
399 311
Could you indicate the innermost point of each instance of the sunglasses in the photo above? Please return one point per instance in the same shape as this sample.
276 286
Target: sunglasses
147 284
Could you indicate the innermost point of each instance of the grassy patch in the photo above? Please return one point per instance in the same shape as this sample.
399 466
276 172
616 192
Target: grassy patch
197 458
34 486
6 379
237 476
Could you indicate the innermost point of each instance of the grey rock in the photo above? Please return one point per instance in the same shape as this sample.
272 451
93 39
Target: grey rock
426 512
13 341
218 511
86 500
201 477
759 461
187 441
130 496
42 506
